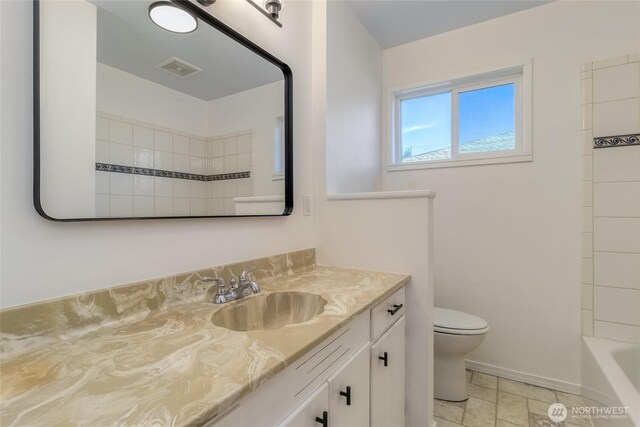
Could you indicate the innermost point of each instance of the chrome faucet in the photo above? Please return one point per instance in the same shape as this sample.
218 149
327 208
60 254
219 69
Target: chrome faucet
236 289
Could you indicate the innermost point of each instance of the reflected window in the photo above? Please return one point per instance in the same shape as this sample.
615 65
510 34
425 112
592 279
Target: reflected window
278 149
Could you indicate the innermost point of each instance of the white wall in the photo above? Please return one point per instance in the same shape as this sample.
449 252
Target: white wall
508 236
256 109
127 95
67 181
354 78
395 236
42 259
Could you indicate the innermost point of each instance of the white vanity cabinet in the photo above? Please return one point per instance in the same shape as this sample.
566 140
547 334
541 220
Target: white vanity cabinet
342 401
388 361
388 377
342 382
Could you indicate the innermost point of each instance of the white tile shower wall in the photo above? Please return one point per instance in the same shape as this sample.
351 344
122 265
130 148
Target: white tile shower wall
587 199
127 142
611 201
230 153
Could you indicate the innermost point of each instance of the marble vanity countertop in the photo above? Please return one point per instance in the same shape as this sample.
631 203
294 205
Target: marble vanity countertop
175 367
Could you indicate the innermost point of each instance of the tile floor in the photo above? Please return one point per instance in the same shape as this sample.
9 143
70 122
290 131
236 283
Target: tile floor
498 402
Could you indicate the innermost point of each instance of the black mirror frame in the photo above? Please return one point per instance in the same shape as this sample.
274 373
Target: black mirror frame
229 32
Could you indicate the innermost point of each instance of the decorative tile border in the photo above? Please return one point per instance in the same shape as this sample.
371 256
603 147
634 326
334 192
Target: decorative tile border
234 175
616 141
132 170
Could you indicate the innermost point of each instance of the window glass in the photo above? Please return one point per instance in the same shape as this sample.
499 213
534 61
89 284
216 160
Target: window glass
426 127
486 119
470 120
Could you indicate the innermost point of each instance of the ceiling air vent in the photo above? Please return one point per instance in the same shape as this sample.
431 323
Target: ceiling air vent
178 67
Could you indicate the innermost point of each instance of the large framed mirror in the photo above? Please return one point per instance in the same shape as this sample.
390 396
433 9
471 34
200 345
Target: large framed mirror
134 118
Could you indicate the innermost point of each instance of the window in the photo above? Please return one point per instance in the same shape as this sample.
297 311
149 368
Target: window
466 121
278 149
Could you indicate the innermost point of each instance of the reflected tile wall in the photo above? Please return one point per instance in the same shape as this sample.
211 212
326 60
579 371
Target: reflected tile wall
229 153
149 147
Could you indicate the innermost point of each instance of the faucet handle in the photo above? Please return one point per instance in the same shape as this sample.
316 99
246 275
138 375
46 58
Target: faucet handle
245 273
219 281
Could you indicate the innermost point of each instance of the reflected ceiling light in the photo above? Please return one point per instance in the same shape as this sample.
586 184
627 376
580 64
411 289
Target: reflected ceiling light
171 17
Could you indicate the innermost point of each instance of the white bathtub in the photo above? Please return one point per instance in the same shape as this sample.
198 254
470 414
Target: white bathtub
611 377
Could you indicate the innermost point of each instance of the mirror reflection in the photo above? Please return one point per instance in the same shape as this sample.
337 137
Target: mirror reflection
139 121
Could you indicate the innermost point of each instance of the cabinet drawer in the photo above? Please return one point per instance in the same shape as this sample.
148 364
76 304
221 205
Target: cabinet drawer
270 403
386 313
316 366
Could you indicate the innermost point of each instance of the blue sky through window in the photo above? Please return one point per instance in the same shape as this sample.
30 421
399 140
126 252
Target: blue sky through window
486 112
482 113
426 124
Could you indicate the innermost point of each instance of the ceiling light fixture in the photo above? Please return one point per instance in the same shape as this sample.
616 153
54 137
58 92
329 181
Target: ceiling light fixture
171 17
271 9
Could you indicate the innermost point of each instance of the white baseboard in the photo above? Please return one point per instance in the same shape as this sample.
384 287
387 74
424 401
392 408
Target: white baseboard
524 377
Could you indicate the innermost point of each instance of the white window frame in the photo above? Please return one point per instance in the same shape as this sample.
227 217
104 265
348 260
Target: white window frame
519 74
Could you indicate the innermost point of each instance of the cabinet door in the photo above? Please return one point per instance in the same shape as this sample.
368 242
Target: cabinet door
387 378
312 411
349 392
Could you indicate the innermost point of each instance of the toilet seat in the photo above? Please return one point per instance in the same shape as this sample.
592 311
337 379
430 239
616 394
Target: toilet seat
454 322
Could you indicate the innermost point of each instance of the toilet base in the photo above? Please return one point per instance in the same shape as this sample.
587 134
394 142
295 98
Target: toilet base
450 378
450 382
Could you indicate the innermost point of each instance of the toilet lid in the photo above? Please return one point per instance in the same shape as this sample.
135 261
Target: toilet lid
457 322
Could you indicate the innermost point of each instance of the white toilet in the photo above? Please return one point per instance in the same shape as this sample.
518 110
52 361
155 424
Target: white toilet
455 334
